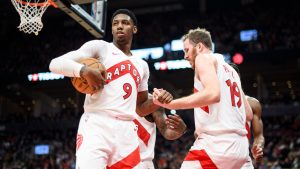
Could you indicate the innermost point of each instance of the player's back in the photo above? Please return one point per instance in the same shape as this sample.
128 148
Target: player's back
228 115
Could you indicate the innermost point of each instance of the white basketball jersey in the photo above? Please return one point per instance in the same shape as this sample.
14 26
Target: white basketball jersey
228 115
126 76
147 137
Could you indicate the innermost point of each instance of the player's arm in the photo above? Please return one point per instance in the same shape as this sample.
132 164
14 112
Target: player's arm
67 64
175 128
257 129
145 103
248 109
206 72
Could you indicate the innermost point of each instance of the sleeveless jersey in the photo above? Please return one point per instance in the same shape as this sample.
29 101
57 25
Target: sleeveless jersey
126 76
248 128
147 136
228 115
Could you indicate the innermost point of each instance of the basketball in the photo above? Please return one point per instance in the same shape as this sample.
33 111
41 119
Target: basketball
79 83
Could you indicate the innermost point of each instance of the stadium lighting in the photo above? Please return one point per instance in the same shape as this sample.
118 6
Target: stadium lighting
44 76
155 53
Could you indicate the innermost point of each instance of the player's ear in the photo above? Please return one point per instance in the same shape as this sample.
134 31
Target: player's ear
200 46
135 29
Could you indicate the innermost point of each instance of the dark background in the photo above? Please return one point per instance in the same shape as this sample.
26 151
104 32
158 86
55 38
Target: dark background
48 111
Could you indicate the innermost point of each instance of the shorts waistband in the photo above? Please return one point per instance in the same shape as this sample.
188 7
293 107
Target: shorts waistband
227 135
111 115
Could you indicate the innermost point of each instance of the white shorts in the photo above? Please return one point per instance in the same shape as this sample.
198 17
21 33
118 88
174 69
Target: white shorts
215 152
147 165
106 141
248 164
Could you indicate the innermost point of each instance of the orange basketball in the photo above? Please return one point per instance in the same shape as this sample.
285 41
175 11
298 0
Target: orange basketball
79 83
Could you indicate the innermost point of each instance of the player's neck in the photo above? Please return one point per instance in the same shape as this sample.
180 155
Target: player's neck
124 47
206 51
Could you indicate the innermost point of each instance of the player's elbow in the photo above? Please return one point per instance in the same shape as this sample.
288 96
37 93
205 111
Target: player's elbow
141 113
53 65
215 96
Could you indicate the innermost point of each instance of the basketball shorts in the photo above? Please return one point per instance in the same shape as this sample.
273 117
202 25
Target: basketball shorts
248 164
104 141
147 165
227 151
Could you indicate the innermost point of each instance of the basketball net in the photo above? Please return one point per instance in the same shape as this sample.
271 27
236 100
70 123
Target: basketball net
31 12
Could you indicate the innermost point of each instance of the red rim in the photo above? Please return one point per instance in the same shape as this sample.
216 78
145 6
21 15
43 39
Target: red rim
47 3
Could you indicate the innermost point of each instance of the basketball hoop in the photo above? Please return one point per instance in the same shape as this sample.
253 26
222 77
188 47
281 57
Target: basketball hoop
31 12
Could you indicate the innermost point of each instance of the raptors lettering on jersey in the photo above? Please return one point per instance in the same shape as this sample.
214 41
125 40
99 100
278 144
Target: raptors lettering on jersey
122 69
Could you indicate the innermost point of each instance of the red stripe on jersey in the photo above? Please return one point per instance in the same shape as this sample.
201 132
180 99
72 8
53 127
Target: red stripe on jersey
204 108
79 140
121 69
128 162
143 134
202 157
248 131
195 90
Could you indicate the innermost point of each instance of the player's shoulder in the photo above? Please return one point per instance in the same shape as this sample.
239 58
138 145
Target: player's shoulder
97 42
218 56
209 58
254 104
252 99
144 62
141 61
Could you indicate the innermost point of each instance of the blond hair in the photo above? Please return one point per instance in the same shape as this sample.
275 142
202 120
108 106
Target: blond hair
199 35
184 37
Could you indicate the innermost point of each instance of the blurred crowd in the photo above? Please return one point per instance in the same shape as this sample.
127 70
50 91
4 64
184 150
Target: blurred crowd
282 147
226 25
17 150
278 30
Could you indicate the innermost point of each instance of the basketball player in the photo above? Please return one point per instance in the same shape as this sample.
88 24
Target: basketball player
106 134
220 107
255 123
147 133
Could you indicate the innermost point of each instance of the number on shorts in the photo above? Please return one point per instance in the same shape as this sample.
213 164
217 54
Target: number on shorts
234 91
127 89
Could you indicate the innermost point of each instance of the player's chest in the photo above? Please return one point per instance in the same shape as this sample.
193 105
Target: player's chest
119 66
117 61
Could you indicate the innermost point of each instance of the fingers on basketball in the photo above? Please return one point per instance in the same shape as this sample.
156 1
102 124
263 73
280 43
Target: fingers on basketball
80 84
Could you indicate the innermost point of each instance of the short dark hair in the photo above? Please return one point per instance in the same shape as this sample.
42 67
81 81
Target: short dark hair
126 12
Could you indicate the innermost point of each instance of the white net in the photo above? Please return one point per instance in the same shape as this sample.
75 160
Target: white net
31 12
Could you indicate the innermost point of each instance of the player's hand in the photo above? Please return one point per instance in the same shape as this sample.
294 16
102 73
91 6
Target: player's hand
162 96
94 77
257 152
158 98
175 122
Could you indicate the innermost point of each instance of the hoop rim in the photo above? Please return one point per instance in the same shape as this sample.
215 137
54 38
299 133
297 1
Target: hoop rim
46 3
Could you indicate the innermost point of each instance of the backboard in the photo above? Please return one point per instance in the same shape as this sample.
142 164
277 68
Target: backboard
90 14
